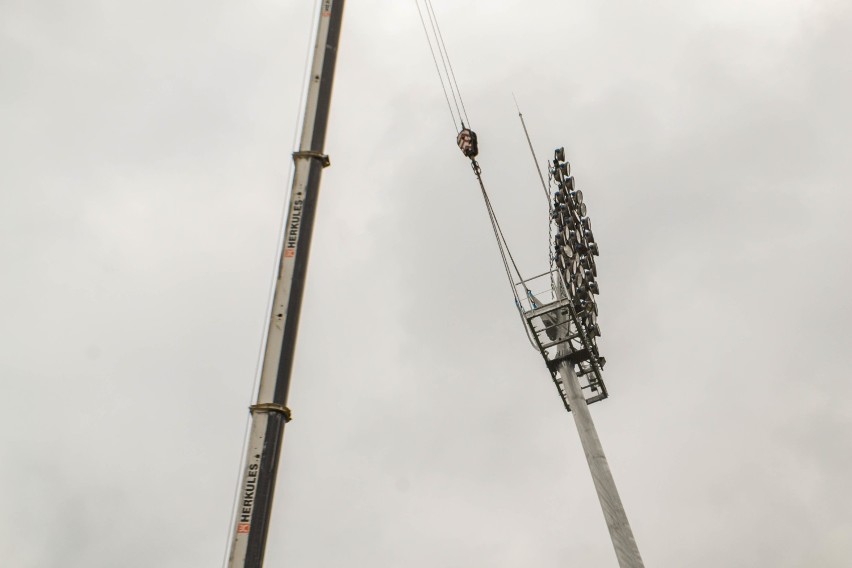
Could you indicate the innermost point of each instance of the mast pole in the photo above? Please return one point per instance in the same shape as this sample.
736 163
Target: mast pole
270 412
626 550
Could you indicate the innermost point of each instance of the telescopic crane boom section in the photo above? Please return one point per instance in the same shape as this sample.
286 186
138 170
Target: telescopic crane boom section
269 414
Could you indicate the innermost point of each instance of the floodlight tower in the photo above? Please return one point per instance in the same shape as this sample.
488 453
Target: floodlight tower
562 324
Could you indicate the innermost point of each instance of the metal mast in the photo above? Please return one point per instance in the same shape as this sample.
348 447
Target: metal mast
616 518
620 532
270 412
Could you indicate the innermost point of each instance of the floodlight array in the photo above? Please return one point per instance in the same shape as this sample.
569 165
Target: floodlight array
560 306
574 252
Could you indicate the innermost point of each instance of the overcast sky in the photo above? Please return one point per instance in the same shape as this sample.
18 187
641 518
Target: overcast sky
144 165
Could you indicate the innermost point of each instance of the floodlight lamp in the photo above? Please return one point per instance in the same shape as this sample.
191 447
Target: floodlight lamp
557 173
593 248
588 261
576 196
594 330
591 307
573 217
572 289
559 154
574 262
593 287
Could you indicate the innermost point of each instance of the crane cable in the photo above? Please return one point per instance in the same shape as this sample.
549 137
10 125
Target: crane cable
448 62
495 226
459 115
438 69
447 77
505 252
464 121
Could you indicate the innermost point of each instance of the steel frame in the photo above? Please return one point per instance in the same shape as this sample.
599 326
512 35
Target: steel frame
554 328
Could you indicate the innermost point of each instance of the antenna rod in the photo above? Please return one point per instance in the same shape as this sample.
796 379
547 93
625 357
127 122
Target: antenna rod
269 414
535 160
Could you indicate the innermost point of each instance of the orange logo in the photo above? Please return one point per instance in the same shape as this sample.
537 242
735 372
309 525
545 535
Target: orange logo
243 528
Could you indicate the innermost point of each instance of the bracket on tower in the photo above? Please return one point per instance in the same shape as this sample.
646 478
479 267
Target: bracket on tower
556 330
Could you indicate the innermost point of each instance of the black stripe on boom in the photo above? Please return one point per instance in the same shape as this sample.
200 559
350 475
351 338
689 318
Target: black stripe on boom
265 489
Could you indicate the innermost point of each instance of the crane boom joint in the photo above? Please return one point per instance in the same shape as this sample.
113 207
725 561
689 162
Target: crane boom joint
323 158
272 407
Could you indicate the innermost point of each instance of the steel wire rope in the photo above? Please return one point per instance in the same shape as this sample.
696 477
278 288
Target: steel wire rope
497 234
437 67
501 239
502 244
444 57
271 290
503 247
443 45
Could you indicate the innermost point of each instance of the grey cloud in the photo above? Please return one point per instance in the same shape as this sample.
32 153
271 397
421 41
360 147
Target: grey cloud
145 158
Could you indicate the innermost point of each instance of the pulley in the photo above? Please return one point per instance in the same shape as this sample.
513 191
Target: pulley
467 143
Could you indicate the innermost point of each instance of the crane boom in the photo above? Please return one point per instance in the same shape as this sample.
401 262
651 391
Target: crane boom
270 412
